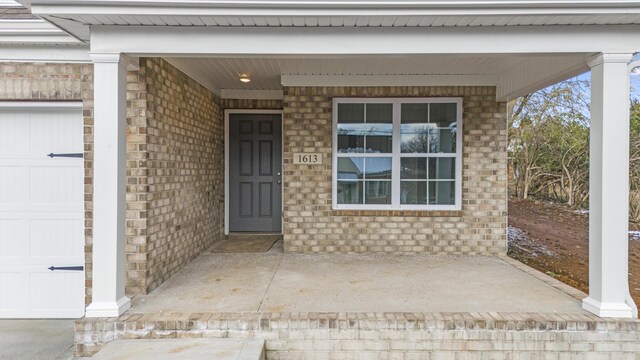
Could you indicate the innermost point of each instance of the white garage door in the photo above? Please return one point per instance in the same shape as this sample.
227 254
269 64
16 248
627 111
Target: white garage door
41 211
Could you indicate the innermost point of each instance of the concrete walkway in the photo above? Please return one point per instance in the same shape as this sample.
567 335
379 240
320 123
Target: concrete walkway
36 339
276 282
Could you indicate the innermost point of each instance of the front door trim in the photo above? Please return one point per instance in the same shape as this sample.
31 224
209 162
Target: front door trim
228 112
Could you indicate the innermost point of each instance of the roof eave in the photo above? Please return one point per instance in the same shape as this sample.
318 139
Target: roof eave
337 8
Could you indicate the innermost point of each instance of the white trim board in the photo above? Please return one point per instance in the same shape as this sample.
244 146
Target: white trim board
228 112
37 26
40 105
33 31
219 41
336 8
9 3
44 53
389 80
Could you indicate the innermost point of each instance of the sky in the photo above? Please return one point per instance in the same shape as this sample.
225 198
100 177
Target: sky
635 81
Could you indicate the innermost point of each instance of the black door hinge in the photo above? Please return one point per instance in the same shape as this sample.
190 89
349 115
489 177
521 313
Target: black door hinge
72 155
75 268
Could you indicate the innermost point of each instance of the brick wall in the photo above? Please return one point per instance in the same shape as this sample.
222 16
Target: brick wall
185 170
310 225
252 104
175 161
137 185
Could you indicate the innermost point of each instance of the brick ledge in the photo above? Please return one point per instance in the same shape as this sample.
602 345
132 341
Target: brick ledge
401 213
364 321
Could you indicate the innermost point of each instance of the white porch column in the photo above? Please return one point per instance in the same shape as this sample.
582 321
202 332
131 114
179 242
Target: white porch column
609 188
109 300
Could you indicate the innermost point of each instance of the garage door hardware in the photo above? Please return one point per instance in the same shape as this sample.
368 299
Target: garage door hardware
76 268
74 155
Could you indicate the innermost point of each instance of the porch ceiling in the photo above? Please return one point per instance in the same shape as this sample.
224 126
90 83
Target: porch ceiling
269 73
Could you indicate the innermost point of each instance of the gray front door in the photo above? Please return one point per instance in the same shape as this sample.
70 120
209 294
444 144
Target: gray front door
255 168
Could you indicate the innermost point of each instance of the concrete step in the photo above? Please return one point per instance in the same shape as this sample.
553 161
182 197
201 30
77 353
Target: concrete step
183 348
253 236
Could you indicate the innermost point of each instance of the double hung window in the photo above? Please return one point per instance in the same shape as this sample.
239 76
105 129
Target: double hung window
397 153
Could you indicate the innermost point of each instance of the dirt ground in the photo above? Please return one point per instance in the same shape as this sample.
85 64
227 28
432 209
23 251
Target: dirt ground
555 239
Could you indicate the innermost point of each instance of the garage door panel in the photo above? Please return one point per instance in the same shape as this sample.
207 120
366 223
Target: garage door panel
41 213
11 231
42 208
51 289
55 132
12 183
56 238
12 300
14 137
56 185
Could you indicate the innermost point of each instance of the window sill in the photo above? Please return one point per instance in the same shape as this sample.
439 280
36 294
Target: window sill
403 213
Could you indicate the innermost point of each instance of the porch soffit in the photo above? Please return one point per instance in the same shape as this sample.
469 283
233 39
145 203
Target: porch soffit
269 74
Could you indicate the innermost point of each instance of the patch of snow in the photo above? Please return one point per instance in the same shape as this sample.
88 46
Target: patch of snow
581 211
518 238
634 235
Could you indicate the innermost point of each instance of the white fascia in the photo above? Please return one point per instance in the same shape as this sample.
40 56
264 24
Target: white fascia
32 31
37 26
9 3
225 41
336 8
41 53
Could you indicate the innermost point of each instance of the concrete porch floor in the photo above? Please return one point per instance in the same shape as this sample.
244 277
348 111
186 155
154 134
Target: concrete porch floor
274 282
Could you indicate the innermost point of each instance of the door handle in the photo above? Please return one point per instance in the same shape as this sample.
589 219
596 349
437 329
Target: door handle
279 179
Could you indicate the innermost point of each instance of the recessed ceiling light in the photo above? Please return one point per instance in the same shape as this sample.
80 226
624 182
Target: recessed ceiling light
245 78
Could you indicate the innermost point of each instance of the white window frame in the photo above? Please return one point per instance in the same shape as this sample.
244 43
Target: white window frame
396 155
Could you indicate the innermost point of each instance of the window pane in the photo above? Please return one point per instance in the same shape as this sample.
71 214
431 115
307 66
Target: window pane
418 139
442 192
351 138
442 140
377 168
378 192
442 168
413 192
350 168
379 138
415 128
350 113
350 192
356 136
413 168
428 140
414 113
379 113
443 114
